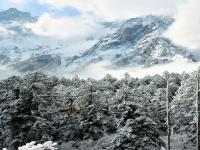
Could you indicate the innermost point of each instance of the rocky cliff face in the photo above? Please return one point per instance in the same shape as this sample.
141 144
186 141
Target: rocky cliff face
46 63
136 42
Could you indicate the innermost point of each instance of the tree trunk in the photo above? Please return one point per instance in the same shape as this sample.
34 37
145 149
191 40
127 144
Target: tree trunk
197 109
168 114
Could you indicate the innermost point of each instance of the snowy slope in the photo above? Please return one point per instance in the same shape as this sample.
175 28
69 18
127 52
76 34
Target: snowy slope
137 42
18 43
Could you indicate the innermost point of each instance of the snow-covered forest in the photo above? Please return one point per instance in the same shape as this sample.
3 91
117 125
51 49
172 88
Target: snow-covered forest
106 114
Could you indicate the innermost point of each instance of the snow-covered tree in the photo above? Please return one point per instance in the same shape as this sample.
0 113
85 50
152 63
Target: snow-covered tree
136 130
129 113
183 110
49 145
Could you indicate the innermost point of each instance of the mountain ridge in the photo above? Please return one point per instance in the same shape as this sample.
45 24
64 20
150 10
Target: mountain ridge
13 14
136 42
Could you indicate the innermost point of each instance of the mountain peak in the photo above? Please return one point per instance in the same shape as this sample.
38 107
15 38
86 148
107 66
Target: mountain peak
160 21
12 10
13 14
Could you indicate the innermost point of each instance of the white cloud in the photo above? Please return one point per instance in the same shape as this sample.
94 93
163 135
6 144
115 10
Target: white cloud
4 31
117 9
5 72
65 27
99 70
186 29
18 2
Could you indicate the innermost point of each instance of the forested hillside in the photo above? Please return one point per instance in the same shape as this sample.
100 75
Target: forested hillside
106 114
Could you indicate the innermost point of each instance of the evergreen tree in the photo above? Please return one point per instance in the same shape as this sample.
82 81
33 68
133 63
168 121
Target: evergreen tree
136 130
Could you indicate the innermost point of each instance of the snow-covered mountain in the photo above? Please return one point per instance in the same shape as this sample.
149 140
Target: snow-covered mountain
19 43
137 41
12 14
130 43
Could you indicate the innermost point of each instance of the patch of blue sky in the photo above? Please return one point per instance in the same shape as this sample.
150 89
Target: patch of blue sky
69 11
37 9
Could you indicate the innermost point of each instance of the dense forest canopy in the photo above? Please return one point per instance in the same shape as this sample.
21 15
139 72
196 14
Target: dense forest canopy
129 113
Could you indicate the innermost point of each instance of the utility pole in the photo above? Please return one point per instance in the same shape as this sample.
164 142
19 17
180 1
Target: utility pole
197 108
168 113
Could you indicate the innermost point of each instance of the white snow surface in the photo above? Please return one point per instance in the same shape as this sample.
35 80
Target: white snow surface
32 146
